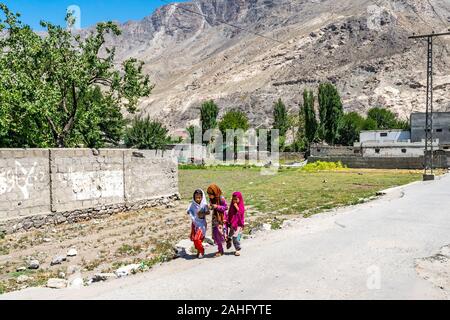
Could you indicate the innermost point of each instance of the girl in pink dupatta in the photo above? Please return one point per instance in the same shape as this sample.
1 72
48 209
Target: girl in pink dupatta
235 221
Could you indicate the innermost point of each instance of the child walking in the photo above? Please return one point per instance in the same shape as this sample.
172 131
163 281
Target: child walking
219 206
197 210
235 220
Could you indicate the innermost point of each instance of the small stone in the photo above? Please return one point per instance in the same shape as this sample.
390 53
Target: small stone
76 283
20 269
183 247
56 283
47 240
99 277
72 252
266 227
33 265
23 278
127 270
58 260
62 275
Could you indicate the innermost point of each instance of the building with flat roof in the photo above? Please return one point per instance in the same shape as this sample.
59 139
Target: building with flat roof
441 128
382 136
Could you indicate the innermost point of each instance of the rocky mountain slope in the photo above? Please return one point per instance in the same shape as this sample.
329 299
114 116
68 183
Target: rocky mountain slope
277 48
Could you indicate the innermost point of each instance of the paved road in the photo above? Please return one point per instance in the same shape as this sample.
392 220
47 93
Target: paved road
362 252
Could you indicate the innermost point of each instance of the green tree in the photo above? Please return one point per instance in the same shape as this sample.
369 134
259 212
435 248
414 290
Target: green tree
309 115
101 124
234 120
208 115
351 126
385 119
281 119
192 130
146 134
330 111
403 124
46 83
370 124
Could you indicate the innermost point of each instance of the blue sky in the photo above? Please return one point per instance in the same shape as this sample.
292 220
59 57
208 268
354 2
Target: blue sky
92 11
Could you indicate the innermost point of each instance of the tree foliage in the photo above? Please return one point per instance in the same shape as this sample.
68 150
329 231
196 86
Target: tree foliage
281 119
330 111
61 89
384 119
208 115
145 133
309 114
234 120
192 131
351 125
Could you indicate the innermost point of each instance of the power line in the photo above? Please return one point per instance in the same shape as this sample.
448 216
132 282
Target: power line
207 18
428 164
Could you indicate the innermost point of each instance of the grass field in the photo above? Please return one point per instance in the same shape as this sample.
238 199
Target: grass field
293 191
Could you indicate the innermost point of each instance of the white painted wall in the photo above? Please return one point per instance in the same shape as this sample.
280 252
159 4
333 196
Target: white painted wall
392 136
386 152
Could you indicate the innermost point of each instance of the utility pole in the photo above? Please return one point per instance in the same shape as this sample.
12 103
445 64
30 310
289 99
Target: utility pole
429 156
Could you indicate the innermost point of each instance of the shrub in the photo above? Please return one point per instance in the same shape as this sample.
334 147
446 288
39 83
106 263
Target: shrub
323 166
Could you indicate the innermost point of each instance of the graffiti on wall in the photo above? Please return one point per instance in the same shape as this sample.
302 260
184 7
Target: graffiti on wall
19 177
96 184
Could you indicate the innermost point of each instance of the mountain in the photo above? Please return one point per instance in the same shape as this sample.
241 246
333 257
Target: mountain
246 54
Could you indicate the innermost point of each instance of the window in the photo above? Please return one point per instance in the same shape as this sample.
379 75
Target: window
377 150
403 150
383 134
438 130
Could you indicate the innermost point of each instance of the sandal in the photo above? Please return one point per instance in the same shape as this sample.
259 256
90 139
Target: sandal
237 253
218 254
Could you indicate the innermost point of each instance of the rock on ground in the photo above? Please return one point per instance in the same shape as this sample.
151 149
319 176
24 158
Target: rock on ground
72 253
56 283
76 283
58 260
23 279
33 265
127 270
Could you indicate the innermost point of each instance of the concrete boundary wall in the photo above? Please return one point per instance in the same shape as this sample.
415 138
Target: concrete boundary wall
53 186
441 162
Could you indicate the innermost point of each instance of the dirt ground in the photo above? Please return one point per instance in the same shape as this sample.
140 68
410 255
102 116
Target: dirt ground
436 269
143 237
148 237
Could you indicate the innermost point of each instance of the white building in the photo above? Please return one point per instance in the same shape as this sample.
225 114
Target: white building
381 136
390 143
